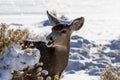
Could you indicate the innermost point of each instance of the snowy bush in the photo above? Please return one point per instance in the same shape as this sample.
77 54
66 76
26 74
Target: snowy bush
16 63
117 52
111 73
10 35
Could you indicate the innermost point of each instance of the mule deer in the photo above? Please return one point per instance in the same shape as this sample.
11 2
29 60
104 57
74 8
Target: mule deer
55 54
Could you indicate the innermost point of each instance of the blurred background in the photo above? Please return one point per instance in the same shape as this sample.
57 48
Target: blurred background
91 9
99 14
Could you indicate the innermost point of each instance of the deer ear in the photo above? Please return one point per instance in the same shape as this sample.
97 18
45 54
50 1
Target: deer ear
52 18
77 24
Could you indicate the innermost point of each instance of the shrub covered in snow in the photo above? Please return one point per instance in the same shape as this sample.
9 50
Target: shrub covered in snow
16 63
111 73
10 35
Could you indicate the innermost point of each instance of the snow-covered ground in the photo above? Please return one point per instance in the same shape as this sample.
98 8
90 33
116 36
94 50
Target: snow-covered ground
16 59
93 47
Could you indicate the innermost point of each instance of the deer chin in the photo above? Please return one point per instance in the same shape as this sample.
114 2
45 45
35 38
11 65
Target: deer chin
50 43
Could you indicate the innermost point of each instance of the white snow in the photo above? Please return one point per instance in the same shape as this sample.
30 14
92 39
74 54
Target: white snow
93 47
15 59
80 76
45 72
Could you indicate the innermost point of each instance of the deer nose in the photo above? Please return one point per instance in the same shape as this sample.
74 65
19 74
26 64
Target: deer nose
51 38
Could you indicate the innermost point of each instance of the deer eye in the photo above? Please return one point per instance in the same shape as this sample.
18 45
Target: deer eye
63 31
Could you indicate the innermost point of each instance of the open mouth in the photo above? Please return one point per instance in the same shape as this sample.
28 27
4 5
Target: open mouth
50 43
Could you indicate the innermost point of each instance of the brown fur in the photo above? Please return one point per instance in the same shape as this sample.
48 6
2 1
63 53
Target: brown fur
55 58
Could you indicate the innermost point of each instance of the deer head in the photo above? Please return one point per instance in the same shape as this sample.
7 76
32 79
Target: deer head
60 34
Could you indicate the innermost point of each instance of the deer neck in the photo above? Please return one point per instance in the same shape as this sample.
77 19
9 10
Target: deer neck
65 48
